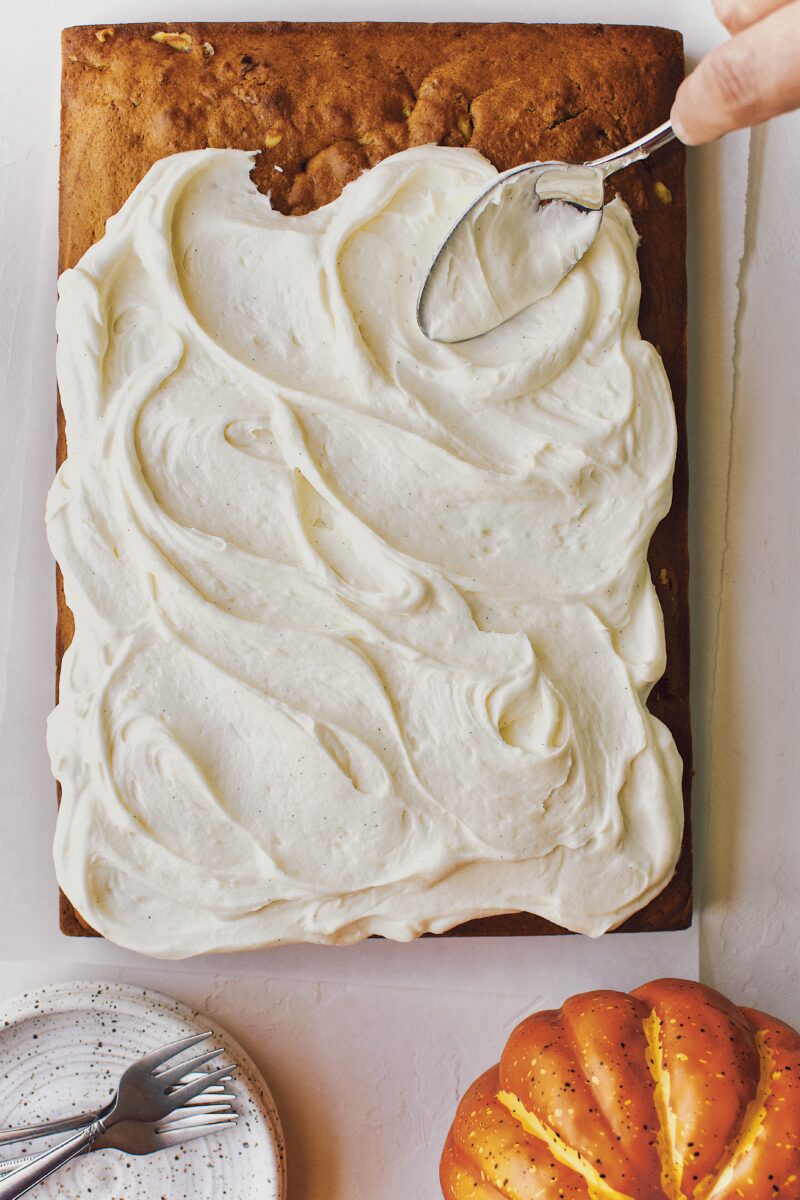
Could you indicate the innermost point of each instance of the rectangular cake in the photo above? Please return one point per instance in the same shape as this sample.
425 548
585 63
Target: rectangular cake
321 104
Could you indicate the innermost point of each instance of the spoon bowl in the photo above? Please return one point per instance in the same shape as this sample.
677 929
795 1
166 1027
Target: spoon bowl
517 240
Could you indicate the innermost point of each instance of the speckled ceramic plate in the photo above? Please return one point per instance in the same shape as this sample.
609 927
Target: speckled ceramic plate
62 1049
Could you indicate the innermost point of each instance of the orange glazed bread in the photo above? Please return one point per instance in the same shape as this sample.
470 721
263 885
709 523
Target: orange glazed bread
671 1091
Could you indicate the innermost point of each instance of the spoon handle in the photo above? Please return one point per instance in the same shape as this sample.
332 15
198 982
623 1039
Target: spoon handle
635 151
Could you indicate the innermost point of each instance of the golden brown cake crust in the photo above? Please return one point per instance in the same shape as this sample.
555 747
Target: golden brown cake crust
323 102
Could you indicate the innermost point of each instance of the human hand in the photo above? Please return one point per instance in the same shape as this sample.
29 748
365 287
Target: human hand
752 77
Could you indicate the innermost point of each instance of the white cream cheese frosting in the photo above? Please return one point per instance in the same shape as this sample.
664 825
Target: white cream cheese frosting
364 628
510 250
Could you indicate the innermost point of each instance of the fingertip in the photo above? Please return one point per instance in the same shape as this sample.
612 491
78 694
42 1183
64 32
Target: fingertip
679 127
698 114
678 117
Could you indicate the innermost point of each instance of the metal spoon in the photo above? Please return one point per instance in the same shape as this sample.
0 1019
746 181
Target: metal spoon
510 249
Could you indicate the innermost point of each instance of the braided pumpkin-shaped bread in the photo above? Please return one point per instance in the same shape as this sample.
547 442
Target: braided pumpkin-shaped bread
669 1091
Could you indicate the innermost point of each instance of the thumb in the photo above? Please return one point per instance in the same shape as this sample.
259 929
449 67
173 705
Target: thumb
754 76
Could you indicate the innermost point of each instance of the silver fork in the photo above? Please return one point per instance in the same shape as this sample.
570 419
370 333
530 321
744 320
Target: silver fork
144 1095
215 1099
146 1139
131 1137
29 1133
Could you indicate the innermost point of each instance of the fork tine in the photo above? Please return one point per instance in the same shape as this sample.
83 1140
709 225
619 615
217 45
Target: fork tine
175 1075
200 1103
193 1108
226 1117
165 1053
212 1095
183 1094
190 1077
170 1137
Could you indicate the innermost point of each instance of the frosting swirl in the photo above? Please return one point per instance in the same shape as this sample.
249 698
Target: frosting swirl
364 628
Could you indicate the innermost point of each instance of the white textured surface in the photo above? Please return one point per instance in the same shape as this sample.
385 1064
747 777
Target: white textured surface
751 918
367 1048
366 1076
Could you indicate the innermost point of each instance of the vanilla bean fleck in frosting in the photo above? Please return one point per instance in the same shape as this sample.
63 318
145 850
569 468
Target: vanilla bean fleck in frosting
364 627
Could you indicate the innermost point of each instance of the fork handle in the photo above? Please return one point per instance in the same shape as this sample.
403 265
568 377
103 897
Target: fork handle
27 1133
11 1164
20 1181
